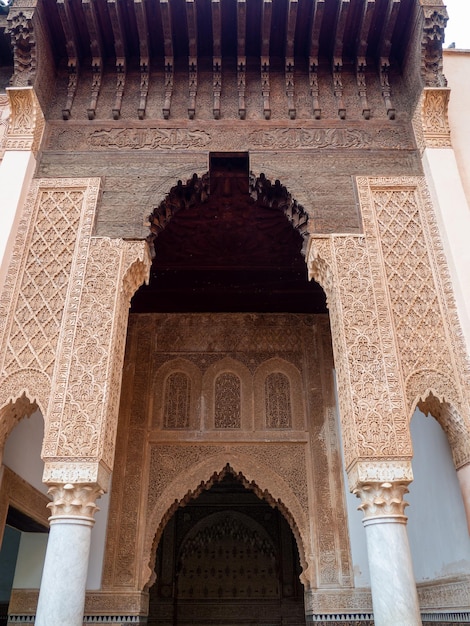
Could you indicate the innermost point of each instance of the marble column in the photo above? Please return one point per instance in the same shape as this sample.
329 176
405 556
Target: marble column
62 594
394 595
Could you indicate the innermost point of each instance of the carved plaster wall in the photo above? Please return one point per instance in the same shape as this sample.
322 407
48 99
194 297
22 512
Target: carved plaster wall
282 461
402 233
64 314
4 117
395 329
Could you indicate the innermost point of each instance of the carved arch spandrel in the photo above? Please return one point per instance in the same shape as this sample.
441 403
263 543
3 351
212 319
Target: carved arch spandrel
244 462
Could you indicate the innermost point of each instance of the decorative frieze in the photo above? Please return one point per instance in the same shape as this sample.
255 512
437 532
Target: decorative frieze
75 136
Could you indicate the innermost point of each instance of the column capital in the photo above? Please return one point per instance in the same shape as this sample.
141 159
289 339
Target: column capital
74 502
381 500
27 120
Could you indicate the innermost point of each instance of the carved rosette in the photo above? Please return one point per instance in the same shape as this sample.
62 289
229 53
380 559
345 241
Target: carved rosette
72 502
27 120
382 500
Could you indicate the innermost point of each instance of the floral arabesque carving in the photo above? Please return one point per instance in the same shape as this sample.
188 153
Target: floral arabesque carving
435 20
83 409
26 125
172 485
400 223
434 118
4 117
373 415
23 39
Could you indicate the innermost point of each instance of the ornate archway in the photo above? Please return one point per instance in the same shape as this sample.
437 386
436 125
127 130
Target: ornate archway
227 556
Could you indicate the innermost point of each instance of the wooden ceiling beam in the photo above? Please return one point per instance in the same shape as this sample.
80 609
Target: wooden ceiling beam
364 29
96 48
361 54
343 9
314 48
384 54
216 57
120 46
341 18
317 19
191 18
265 40
71 42
241 57
292 10
140 10
169 57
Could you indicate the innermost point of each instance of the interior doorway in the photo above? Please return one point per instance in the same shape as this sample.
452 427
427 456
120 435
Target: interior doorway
227 558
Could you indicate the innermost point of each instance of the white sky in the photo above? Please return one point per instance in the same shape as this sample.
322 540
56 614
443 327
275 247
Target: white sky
458 26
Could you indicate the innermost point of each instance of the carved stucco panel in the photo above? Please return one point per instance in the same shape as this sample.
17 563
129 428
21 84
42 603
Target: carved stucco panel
371 399
177 471
400 223
4 118
27 122
84 405
35 290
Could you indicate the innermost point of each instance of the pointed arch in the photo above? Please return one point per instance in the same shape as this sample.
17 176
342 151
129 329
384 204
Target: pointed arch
260 478
452 422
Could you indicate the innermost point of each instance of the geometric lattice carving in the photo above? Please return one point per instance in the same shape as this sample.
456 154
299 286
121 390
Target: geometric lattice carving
177 400
399 222
278 406
227 401
35 291
38 313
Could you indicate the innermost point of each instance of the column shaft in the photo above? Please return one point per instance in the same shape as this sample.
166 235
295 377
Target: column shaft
62 595
394 595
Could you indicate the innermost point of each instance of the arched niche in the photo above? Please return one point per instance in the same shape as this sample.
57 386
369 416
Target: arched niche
288 376
22 395
231 371
189 383
261 479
